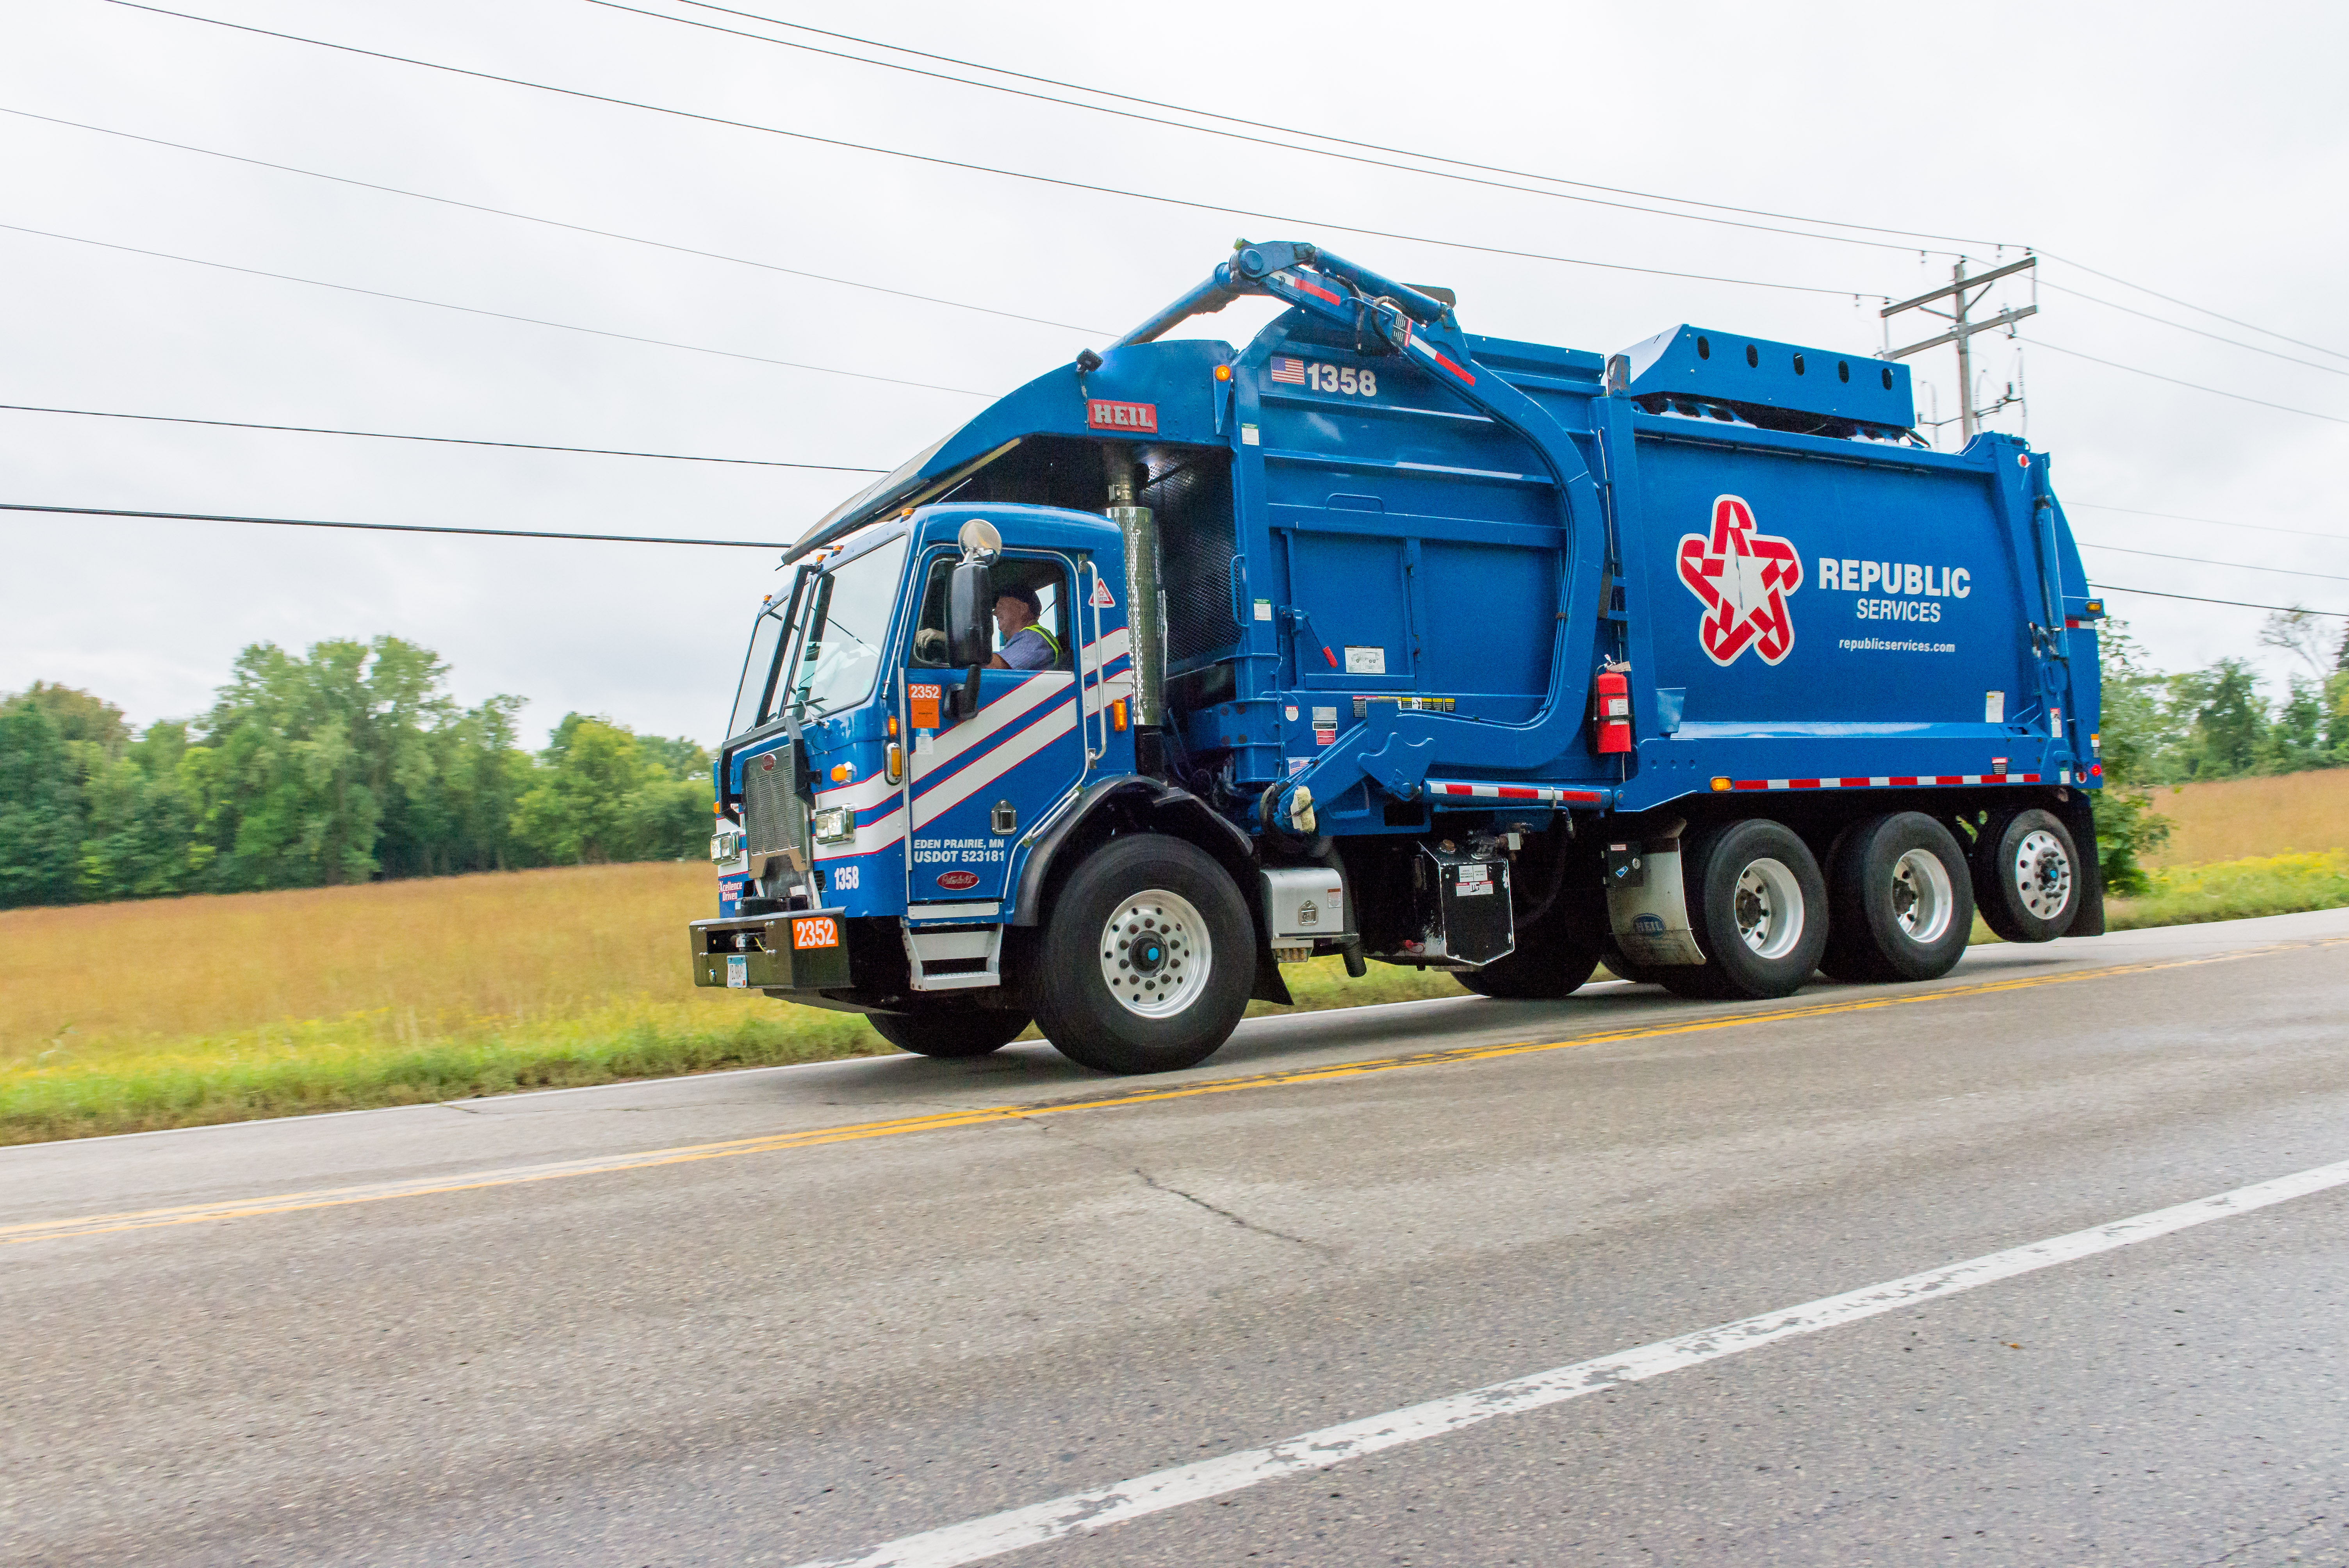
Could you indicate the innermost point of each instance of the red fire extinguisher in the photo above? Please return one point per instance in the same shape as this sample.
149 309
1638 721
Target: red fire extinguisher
1610 709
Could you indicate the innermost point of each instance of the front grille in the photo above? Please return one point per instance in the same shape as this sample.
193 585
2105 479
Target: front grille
773 818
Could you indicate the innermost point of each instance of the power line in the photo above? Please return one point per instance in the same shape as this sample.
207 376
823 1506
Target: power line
394 527
444 440
1296 130
2206 560
550 223
497 315
2201 310
2196 386
2181 327
1211 131
936 162
2213 522
2237 603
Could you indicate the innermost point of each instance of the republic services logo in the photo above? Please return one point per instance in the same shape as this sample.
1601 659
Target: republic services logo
1741 577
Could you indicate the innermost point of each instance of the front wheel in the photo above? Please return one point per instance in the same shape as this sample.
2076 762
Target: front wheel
949 1032
1146 960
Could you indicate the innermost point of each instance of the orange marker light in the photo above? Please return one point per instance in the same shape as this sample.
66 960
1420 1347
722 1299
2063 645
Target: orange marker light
1117 714
1223 372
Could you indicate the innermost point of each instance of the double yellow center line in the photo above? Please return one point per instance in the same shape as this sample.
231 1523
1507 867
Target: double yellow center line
979 1115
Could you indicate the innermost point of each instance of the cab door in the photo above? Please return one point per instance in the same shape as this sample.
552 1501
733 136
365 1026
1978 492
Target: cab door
976 782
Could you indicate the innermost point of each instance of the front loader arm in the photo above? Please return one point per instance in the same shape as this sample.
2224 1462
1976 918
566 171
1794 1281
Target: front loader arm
1394 748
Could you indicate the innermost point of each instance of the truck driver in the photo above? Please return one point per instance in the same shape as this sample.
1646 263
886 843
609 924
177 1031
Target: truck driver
1027 645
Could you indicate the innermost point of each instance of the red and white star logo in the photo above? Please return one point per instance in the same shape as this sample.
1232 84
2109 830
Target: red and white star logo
1742 577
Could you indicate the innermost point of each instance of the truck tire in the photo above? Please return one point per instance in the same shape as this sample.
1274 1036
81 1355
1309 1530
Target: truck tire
1900 901
1758 907
1622 968
1146 959
949 1032
1550 962
2026 876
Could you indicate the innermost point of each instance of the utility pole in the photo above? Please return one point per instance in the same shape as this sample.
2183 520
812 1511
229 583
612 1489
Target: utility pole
1963 330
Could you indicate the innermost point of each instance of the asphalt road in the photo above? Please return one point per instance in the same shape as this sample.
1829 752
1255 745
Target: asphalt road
790 1314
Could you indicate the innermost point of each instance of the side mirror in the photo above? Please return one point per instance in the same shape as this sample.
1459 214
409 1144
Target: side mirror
970 611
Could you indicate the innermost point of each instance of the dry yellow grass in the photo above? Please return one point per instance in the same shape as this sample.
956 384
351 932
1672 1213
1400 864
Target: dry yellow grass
2239 818
415 959
120 1017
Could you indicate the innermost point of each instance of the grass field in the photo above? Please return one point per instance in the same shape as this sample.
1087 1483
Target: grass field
2235 818
126 1017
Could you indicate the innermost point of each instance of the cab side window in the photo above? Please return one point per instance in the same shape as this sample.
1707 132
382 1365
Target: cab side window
1025 585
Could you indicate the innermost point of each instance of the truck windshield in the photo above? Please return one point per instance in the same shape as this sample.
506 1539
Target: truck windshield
836 657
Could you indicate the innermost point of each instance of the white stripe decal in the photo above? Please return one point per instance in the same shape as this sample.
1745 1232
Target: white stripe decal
992 719
980 1539
928 808
1031 693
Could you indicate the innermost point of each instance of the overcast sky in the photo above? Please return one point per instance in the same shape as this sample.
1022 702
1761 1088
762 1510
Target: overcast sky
2189 149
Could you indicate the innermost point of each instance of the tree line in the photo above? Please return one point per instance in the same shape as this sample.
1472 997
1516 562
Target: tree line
349 764
2181 726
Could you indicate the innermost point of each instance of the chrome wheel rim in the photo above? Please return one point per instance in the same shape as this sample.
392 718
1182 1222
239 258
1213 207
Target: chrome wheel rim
1769 902
2042 873
1156 954
1922 902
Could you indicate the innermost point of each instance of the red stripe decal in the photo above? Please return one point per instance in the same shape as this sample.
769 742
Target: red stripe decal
1903 779
1452 367
1577 795
1949 778
1517 792
1459 789
1802 783
1852 783
1318 291
1751 784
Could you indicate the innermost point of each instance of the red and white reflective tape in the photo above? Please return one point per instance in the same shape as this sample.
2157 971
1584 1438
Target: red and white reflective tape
1886 781
1412 340
1546 794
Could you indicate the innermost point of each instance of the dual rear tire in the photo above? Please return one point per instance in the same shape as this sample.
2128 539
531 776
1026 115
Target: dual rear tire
1894 903
1900 901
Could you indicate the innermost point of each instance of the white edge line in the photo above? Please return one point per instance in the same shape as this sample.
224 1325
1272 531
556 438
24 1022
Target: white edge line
978 1538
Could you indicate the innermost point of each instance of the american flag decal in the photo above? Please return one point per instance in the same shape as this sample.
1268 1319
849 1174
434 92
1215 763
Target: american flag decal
1286 371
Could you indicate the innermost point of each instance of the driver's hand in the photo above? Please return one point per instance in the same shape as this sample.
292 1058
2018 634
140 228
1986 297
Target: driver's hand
930 642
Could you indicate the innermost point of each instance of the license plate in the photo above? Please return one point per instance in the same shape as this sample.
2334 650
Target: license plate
738 971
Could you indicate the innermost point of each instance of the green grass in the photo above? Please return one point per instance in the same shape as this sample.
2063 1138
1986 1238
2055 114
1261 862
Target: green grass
2237 890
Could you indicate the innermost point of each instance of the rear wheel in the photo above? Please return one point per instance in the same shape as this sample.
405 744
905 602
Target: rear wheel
948 1031
1147 958
2026 878
1550 961
1900 901
1759 909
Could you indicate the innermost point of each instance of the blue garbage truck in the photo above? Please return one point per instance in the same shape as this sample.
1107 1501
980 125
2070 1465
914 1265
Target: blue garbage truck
1381 639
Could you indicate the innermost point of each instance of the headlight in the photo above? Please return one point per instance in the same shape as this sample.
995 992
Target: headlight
835 825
